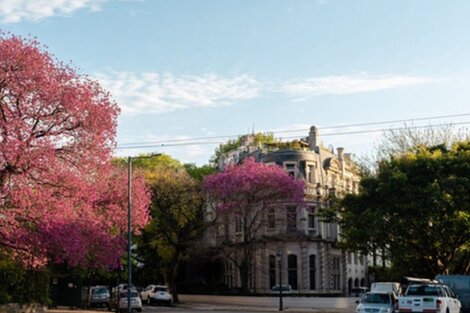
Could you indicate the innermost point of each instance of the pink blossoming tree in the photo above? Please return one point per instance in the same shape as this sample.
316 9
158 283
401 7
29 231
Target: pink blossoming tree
244 194
60 198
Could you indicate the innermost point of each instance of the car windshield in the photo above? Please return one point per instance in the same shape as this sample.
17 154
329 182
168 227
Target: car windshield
376 298
161 289
99 291
133 294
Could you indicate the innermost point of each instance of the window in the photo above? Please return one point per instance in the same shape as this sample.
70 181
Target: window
311 174
292 270
336 273
228 278
313 269
291 218
311 221
290 168
272 271
355 259
271 218
238 224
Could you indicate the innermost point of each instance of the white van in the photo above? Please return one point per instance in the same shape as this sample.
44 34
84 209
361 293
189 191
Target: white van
386 287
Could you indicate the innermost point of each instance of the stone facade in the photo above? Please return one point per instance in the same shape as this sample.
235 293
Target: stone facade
296 238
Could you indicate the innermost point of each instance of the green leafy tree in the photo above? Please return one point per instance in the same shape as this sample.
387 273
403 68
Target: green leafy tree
177 220
199 172
417 208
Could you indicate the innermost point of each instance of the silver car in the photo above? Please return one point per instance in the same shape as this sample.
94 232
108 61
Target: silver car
377 302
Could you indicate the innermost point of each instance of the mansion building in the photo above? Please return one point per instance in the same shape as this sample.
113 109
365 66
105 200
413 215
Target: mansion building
296 237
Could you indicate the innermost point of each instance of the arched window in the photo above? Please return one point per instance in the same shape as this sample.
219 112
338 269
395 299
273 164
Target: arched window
356 282
292 270
313 269
272 271
363 282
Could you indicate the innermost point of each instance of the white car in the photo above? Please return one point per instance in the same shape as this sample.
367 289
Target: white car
136 303
377 302
155 294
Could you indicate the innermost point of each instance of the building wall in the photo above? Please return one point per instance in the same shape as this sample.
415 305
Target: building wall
325 174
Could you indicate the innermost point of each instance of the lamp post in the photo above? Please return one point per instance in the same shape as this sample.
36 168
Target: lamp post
129 223
279 260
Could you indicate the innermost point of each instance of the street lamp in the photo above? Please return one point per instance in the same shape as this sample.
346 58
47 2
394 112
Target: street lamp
279 260
129 222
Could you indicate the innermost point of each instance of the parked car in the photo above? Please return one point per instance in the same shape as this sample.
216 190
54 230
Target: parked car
98 296
156 294
377 302
121 301
122 287
358 291
424 298
285 288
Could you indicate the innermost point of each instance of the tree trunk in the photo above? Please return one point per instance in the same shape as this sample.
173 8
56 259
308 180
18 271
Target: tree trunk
171 272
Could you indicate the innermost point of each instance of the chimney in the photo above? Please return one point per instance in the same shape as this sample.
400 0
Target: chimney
313 138
340 151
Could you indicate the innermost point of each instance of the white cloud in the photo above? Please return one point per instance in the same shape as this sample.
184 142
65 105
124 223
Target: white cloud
146 93
348 84
155 93
13 11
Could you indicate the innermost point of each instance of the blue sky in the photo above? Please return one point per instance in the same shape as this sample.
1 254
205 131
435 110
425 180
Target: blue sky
182 69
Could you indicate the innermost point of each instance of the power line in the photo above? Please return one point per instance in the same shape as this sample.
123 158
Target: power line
189 143
131 145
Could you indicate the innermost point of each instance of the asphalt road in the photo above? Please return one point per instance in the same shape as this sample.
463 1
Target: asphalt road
236 304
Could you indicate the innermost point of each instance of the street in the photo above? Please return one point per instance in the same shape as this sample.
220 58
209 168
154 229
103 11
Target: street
229 304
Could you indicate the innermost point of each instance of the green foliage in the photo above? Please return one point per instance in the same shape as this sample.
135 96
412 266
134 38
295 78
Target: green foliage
176 217
417 209
225 148
19 285
147 161
259 139
198 173
380 273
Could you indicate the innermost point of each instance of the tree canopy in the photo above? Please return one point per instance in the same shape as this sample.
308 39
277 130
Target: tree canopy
177 216
417 208
60 198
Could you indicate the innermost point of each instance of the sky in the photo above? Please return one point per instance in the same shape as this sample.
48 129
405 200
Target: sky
211 69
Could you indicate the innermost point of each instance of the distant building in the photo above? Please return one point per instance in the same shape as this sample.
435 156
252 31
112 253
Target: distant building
311 262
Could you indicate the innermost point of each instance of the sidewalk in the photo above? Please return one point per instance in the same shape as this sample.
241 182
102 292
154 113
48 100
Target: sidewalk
207 307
